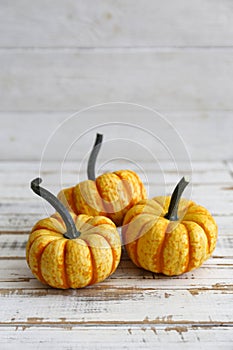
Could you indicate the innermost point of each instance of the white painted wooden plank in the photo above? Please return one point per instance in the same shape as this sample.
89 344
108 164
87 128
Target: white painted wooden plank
149 306
22 191
230 166
53 166
206 135
45 80
14 179
215 274
116 337
20 207
115 23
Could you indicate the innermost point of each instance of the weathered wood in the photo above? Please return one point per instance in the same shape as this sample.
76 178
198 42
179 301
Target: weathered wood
64 57
116 23
217 125
125 306
130 336
230 166
215 274
154 176
53 166
173 79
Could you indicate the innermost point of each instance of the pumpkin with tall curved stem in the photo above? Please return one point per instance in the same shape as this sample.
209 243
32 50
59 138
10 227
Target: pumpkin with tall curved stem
110 194
169 235
69 251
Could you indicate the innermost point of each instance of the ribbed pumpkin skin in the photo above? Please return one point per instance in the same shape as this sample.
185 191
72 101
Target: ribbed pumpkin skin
110 195
169 247
73 263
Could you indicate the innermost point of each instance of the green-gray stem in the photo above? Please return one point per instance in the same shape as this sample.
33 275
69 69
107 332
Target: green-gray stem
72 231
93 157
172 213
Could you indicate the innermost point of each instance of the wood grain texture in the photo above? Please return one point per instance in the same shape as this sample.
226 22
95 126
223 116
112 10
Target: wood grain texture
211 186
117 306
213 275
171 79
116 23
18 219
55 59
116 337
206 134
230 167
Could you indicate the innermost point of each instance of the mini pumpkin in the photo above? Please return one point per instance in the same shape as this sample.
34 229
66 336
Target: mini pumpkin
69 251
110 194
169 235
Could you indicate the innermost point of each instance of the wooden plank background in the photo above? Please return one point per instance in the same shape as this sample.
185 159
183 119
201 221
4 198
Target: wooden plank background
57 58
116 23
174 56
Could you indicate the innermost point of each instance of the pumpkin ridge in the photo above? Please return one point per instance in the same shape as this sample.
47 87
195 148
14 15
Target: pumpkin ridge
192 208
84 223
189 248
110 246
160 251
149 204
125 186
39 226
143 194
106 212
39 264
45 228
93 264
206 233
136 245
204 255
127 225
195 212
60 220
138 214
31 242
73 202
91 224
65 276
154 199
136 253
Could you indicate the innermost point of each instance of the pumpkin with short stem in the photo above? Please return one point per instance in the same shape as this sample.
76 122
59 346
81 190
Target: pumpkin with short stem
169 235
110 194
69 251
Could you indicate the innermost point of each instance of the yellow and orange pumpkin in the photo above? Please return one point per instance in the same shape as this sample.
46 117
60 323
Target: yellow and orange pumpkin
110 194
69 251
169 235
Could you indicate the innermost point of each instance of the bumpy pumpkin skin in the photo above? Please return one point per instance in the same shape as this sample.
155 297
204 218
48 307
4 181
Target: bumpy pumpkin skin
169 247
73 263
110 195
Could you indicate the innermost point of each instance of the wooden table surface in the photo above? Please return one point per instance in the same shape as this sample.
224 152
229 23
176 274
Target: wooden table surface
133 308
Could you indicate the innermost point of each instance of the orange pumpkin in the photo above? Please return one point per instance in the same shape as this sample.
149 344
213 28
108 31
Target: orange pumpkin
110 194
69 251
168 235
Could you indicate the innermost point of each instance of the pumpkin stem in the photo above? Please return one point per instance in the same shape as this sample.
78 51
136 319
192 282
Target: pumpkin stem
175 199
93 157
72 231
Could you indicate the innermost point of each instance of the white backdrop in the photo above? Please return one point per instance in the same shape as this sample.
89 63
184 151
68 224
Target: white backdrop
58 57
